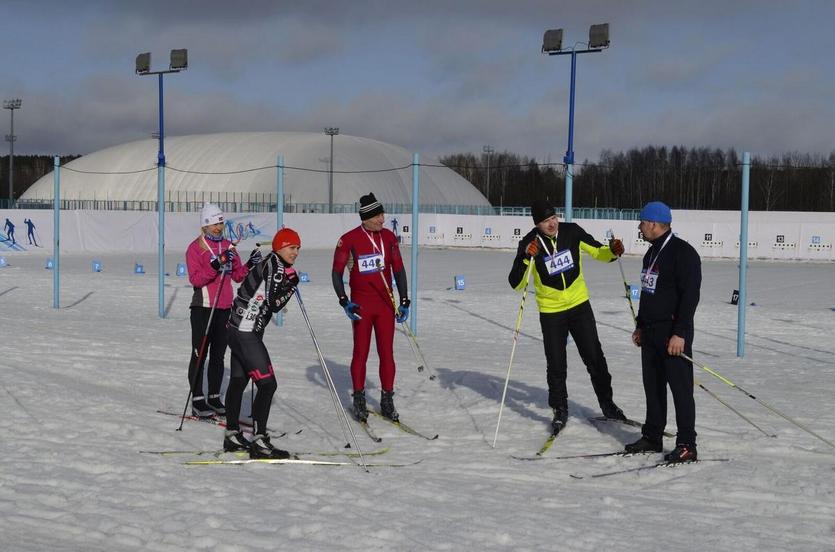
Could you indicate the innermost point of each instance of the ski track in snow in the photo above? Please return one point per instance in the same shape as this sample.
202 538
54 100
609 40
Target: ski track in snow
81 385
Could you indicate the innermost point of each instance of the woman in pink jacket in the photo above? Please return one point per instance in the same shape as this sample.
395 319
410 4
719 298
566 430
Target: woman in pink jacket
212 265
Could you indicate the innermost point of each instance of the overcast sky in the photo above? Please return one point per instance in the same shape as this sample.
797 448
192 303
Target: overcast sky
435 77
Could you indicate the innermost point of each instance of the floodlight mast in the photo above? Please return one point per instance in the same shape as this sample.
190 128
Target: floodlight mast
178 62
11 105
331 131
552 45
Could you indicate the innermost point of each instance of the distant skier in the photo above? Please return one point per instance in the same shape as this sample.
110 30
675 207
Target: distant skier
394 226
9 229
266 290
30 232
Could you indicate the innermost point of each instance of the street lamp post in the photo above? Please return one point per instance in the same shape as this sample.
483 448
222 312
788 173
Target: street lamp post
11 105
489 151
552 45
331 131
178 62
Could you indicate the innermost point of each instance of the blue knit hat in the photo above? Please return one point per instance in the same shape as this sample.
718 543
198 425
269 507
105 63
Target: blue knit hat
656 211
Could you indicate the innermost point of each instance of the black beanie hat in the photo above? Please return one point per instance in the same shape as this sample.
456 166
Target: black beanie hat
369 207
541 210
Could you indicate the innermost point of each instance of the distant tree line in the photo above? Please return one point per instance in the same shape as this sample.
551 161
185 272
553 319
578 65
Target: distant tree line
695 178
27 170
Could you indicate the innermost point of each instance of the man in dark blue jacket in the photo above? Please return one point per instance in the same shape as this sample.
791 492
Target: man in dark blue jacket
671 278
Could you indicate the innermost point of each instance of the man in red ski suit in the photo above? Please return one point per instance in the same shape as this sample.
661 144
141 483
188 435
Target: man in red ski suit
373 255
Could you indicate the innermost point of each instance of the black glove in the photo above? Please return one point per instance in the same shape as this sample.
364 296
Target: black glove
254 258
292 276
224 260
402 313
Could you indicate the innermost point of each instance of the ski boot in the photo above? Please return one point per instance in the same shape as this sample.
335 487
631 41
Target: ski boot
611 410
559 421
387 406
260 447
644 444
215 404
200 408
682 453
360 408
234 441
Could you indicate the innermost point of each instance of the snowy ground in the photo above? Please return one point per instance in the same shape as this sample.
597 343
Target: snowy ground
81 386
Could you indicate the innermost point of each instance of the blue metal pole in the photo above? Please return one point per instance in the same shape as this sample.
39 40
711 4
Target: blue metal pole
415 217
56 231
161 204
743 255
279 193
279 214
569 154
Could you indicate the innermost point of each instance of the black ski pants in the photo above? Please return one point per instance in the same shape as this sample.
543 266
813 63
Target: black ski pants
215 349
660 370
579 322
250 360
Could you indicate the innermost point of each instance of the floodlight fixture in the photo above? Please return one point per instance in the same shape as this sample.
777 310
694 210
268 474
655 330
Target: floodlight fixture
552 41
12 104
179 60
599 36
143 63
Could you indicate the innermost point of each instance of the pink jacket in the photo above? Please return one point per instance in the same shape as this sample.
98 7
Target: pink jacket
206 279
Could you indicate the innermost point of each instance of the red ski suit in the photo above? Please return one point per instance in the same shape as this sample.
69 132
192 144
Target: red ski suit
372 257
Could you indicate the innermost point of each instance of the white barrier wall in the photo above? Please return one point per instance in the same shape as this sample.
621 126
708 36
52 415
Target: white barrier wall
771 235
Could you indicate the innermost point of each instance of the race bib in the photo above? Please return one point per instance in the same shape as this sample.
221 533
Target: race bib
370 263
559 262
648 281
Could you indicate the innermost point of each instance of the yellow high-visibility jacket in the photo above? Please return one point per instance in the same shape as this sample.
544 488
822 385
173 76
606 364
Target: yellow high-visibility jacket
558 266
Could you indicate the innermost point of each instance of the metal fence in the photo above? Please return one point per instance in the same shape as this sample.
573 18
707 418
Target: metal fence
243 204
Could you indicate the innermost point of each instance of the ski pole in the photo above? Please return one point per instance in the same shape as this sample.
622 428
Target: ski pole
731 408
413 343
513 349
696 381
202 349
625 283
728 382
340 411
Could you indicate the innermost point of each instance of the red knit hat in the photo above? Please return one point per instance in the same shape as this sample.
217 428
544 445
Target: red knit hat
285 237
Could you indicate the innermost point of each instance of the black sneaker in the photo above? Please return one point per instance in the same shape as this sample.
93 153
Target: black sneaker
200 408
234 440
682 453
387 406
643 445
611 411
260 447
360 408
559 421
215 404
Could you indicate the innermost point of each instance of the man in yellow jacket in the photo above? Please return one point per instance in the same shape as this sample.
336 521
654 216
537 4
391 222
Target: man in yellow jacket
563 300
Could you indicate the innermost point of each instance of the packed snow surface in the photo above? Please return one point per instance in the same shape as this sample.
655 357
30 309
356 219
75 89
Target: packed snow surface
81 386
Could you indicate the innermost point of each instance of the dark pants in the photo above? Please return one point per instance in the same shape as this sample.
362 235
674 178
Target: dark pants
660 370
579 322
215 349
250 360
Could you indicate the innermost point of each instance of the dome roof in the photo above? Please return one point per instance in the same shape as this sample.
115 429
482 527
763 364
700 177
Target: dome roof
190 160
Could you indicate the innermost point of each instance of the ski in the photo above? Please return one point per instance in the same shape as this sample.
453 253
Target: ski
367 429
580 456
633 423
294 461
546 446
215 420
220 453
657 465
403 427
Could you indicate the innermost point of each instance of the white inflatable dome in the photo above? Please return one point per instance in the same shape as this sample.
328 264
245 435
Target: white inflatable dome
190 158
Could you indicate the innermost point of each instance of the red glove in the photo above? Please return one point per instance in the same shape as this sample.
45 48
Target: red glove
616 246
533 248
